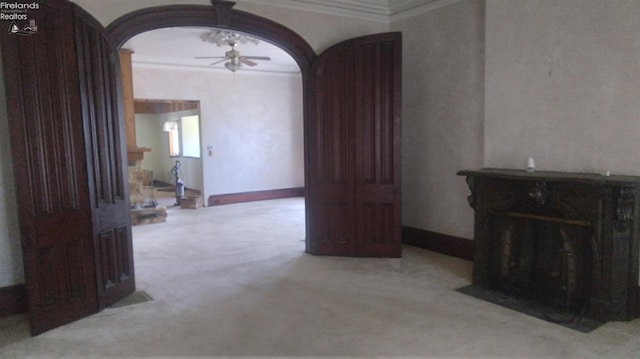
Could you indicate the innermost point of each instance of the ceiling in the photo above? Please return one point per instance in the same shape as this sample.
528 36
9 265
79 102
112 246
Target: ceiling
177 47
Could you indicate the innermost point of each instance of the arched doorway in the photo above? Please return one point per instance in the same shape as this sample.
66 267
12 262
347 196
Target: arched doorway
220 15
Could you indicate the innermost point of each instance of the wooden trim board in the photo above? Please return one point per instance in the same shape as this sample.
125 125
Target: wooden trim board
220 199
438 242
13 300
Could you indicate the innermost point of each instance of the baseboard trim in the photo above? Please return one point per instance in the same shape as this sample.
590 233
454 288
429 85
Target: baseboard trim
438 242
13 300
638 303
221 199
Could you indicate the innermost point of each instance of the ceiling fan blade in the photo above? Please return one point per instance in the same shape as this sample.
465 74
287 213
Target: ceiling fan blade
265 58
217 62
210 57
247 62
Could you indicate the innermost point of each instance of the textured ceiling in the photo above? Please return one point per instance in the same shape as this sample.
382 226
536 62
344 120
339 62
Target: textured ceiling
178 46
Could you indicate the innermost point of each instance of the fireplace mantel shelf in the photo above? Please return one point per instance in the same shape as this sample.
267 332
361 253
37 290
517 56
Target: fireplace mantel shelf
550 176
137 153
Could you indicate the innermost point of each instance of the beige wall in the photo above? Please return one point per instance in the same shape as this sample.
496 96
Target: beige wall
563 85
442 122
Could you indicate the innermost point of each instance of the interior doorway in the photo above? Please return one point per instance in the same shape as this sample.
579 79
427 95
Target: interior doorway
250 133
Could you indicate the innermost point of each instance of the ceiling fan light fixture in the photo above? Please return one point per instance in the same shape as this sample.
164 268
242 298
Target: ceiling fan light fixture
224 38
235 60
232 66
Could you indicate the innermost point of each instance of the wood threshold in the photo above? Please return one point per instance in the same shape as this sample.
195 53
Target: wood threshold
13 300
438 242
222 199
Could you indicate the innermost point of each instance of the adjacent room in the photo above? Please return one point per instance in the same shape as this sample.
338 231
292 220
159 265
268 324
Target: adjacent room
246 139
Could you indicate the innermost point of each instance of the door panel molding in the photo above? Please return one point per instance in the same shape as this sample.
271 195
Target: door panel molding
354 148
378 73
47 145
103 113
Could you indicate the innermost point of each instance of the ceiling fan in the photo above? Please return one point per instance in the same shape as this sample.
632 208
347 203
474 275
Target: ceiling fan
234 59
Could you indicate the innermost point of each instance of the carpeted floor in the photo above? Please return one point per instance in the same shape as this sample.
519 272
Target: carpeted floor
234 281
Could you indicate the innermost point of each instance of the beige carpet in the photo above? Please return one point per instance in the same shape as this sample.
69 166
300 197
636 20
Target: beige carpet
235 281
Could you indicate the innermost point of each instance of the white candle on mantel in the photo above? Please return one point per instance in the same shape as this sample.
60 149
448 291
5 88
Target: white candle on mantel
531 165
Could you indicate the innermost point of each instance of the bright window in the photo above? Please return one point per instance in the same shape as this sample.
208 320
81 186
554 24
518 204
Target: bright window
191 136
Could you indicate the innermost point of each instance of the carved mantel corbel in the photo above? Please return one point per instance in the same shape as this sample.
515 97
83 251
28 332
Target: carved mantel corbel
624 210
223 11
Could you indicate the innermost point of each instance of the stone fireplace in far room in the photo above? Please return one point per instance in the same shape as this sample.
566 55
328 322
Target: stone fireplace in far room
144 208
560 246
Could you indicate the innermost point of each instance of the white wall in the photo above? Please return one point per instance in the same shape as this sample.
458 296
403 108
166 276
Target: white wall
149 134
563 85
442 121
253 122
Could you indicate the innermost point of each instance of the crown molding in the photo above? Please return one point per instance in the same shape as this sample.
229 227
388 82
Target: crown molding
404 9
377 10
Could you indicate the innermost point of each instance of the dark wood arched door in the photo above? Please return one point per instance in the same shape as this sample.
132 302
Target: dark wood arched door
353 145
67 146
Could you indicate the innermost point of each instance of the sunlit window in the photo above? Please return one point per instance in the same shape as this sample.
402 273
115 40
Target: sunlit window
191 136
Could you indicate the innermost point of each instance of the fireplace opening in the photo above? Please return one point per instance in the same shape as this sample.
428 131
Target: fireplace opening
545 262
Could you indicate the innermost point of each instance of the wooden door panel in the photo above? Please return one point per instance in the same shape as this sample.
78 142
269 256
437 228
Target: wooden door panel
331 180
115 256
64 121
335 236
354 149
106 157
378 65
47 144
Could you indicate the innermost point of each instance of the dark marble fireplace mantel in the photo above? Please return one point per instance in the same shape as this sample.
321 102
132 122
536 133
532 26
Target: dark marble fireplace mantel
558 238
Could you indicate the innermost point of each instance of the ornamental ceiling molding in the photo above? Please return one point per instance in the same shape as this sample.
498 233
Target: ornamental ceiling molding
377 10
404 9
